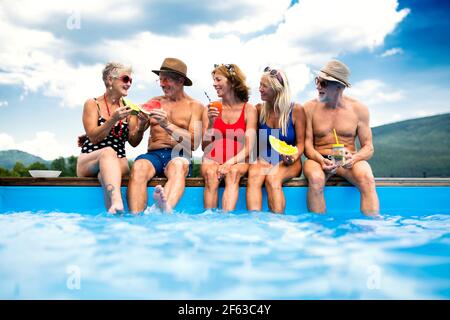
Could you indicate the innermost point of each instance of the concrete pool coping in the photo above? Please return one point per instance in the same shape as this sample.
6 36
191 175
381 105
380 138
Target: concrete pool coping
199 182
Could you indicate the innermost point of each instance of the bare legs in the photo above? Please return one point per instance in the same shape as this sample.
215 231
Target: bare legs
272 177
141 172
232 179
316 182
256 176
176 171
360 175
211 190
109 169
165 198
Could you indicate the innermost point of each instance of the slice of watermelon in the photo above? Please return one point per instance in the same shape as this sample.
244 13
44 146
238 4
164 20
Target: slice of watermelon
150 105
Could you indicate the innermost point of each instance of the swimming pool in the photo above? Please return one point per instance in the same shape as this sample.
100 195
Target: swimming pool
58 243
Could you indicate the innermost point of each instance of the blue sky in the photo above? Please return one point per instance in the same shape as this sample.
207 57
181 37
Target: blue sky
52 54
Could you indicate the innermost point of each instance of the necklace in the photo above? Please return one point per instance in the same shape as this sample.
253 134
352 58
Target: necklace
113 132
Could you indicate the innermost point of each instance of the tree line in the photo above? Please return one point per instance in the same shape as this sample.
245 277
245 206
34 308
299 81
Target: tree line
67 166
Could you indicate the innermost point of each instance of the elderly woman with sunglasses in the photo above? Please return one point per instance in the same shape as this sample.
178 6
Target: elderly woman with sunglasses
285 120
229 137
105 120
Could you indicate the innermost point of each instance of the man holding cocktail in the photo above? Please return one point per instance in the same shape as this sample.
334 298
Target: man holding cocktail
333 121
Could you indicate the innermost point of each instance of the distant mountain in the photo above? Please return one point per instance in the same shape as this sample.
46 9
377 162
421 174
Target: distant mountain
413 148
8 158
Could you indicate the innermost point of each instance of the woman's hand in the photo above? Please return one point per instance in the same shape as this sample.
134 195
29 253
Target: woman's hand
121 113
81 139
213 113
223 170
287 160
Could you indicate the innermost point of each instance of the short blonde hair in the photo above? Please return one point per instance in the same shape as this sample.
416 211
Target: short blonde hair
114 69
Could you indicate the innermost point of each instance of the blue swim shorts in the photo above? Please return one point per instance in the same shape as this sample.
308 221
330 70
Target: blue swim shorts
159 158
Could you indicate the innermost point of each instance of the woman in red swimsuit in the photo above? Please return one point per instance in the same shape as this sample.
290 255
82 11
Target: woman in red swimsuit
229 137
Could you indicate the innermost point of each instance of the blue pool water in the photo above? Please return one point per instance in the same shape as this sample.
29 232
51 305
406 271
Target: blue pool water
211 255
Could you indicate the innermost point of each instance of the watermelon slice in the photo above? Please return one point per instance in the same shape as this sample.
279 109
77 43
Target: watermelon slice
150 105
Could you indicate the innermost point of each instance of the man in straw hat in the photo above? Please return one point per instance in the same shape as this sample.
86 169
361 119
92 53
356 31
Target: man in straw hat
175 130
334 119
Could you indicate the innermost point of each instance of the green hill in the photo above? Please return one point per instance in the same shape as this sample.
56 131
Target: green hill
8 158
413 148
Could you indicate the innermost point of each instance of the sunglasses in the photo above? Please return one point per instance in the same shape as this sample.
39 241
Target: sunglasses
125 79
324 83
229 67
275 73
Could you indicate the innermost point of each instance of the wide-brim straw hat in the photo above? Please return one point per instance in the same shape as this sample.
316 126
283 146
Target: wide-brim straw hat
336 71
176 66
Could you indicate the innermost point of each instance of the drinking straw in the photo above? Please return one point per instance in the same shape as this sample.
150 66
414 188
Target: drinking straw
335 136
207 96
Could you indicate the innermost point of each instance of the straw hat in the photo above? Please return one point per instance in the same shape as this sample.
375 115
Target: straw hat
176 66
335 70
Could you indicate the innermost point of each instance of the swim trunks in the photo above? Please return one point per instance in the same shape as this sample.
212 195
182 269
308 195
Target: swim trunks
159 158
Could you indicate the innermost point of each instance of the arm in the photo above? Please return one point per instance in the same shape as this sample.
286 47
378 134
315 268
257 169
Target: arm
208 118
138 124
299 119
95 132
310 151
365 138
196 125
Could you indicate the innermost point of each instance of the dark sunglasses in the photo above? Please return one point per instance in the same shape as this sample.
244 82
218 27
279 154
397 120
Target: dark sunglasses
324 83
125 79
275 73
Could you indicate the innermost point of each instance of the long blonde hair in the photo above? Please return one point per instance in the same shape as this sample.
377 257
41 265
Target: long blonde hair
282 103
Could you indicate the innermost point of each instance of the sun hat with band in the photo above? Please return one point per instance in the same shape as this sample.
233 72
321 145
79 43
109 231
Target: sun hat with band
176 66
335 70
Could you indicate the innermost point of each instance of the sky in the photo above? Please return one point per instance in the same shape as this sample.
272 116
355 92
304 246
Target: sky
52 54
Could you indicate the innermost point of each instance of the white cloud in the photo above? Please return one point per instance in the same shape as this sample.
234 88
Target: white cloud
38 13
308 33
32 59
340 26
6 142
259 14
44 144
391 52
3 103
374 92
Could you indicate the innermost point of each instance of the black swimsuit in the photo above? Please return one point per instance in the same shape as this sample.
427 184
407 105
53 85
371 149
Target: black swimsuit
117 143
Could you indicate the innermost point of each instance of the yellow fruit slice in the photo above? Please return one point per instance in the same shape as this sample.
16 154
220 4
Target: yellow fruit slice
282 147
130 104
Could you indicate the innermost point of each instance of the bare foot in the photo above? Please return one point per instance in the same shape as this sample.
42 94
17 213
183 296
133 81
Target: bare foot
116 208
160 199
115 200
